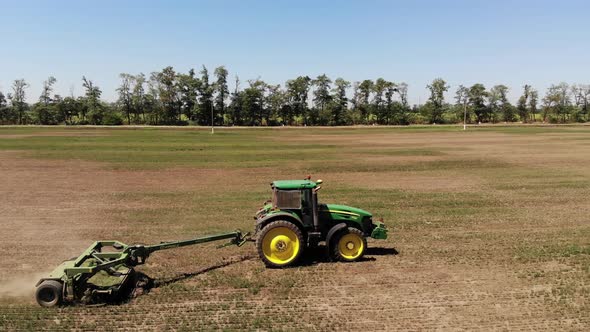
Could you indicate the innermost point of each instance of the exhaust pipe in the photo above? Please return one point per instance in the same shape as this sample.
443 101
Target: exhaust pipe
314 207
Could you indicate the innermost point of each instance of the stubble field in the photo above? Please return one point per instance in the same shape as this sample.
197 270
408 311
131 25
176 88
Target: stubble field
489 228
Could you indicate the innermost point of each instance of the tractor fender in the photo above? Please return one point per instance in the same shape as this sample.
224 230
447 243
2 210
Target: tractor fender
279 216
43 279
335 229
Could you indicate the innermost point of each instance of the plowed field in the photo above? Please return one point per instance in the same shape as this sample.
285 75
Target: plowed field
489 228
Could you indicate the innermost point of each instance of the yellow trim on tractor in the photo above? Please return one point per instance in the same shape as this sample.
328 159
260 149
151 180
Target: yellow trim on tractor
344 212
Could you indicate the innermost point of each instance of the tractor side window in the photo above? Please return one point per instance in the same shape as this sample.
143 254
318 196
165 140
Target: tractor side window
287 199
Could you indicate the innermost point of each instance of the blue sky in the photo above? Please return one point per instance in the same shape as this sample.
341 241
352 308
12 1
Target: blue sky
509 42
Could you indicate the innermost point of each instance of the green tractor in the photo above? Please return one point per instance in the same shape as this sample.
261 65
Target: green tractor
294 219
286 225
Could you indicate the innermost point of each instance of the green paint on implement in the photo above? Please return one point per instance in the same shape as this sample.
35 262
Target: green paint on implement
105 268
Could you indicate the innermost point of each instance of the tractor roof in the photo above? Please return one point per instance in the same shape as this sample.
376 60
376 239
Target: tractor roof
293 184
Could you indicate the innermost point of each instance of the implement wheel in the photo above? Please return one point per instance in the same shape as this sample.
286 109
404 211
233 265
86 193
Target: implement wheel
349 245
49 293
280 244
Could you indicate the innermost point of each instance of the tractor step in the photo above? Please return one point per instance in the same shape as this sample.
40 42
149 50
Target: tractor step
314 238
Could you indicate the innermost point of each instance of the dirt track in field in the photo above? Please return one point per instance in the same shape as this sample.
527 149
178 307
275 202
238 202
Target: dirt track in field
501 263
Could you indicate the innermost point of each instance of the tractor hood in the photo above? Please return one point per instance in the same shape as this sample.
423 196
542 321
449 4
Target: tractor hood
345 209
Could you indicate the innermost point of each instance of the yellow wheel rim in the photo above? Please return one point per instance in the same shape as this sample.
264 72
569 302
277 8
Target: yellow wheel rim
280 245
351 246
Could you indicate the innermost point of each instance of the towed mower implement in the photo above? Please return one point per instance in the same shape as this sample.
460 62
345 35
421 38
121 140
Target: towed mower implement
98 275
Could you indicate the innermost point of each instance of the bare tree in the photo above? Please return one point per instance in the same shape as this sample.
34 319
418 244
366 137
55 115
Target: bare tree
522 104
139 95
45 97
581 94
18 97
437 88
125 94
462 98
533 101
557 101
402 91
92 99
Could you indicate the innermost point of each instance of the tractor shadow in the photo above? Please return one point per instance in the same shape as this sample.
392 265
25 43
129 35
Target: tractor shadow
382 251
150 283
320 254
141 284
187 275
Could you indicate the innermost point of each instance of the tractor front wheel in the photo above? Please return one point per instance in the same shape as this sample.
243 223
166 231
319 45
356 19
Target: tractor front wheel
349 245
280 244
49 293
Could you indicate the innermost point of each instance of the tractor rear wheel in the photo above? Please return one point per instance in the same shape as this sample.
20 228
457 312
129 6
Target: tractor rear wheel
349 245
280 244
49 293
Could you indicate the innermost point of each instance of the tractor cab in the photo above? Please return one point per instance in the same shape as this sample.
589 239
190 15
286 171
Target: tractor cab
294 205
298 197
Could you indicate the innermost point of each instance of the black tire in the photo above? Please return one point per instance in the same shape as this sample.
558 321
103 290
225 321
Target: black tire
49 293
357 248
263 246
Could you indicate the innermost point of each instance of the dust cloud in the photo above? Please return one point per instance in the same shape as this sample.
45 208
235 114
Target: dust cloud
20 286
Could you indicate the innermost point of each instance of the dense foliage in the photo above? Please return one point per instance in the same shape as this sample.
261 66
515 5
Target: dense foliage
168 97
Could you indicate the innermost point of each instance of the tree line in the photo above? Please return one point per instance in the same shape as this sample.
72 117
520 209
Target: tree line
168 97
